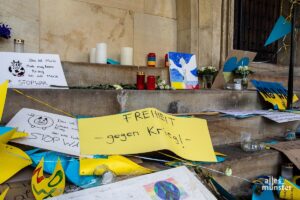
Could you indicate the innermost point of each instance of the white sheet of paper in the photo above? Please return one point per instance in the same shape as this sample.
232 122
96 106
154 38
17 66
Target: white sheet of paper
240 113
281 117
47 131
29 70
142 187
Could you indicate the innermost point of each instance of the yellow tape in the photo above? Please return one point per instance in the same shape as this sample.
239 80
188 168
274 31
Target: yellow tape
43 103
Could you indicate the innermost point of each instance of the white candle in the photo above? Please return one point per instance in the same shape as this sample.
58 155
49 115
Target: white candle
127 56
101 53
93 55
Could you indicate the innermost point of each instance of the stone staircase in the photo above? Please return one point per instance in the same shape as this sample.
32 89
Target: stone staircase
225 132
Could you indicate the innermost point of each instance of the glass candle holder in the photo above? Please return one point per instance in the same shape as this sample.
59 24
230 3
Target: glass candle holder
140 80
19 45
151 60
151 82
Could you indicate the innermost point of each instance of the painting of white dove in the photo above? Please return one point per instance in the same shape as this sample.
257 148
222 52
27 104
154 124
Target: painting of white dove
183 71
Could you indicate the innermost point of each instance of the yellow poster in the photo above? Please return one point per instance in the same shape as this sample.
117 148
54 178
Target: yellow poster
3 91
119 165
43 187
143 131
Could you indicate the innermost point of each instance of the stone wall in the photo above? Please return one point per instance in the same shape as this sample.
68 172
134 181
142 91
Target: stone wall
71 27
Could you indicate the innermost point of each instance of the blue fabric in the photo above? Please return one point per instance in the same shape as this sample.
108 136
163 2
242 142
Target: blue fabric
4 129
265 195
281 28
69 164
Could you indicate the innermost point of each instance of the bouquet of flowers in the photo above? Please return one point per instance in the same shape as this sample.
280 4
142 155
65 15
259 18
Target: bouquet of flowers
210 70
162 84
5 31
243 71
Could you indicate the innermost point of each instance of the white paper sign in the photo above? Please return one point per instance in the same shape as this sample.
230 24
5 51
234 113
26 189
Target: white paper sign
28 70
281 117
177 183
47 131
243 113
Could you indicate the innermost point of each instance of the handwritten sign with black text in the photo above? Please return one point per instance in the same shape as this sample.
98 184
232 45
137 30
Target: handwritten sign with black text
27 70
47 131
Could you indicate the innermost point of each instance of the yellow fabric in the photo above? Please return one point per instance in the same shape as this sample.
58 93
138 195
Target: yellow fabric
12 160
119 165
3 92
281 103
2 196
10 135
290 191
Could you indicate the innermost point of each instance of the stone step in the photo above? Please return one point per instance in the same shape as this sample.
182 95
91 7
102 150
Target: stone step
273 69
246 166
225 130
274 78
104 102
85 74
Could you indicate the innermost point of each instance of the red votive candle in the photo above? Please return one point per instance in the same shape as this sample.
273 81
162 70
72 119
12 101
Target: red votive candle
140 80
150 82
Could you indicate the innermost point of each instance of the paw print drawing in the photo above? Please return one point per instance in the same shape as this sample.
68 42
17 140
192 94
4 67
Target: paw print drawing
42 122
16 69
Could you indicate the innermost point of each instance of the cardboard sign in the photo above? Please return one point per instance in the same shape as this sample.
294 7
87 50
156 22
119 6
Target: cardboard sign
291 150
274 93
143 131
234 59
47 131
28 70
42 187
177 183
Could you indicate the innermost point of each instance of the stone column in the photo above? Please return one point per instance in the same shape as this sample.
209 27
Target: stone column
205 28
187 26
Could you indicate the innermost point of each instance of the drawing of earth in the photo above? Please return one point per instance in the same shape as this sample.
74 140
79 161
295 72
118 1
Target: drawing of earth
43 122
166 190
